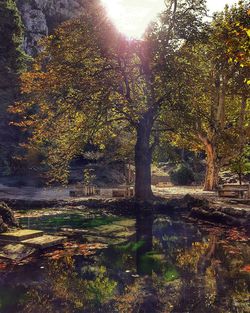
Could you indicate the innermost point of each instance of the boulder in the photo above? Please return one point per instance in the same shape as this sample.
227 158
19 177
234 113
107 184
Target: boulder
222 215
7 218
16 252
3 226
185 203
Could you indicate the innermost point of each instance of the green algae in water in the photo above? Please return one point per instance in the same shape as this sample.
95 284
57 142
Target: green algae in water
151 262
131 246
74 221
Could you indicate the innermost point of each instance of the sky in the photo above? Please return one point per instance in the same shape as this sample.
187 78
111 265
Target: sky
131 17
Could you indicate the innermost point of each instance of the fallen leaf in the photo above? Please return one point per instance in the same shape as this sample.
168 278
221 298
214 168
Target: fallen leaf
72 248
3 266
246 268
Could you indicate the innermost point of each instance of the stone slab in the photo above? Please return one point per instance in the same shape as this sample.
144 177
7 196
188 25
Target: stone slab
16 252
105 240
107 229
125 223
44 242
21 234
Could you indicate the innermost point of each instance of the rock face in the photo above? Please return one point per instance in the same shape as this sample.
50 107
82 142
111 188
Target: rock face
40 17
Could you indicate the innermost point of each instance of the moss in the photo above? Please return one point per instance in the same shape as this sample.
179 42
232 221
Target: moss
56 222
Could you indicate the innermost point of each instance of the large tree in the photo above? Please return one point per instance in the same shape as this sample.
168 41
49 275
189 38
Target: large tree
212 92
89 81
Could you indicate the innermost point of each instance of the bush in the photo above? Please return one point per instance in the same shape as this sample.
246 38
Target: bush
182 175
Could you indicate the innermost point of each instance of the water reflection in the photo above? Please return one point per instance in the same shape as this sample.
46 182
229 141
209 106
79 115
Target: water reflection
200 276
144 236
160 265
65 290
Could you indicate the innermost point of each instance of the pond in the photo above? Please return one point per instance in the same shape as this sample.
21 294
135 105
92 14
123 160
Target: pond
119 264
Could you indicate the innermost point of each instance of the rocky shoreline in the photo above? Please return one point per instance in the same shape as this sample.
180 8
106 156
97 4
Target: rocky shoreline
194 208
222 215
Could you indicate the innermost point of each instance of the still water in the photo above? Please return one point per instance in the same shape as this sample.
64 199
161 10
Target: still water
118 264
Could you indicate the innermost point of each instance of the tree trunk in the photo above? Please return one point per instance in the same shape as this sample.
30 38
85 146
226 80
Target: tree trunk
240 178
212 172
143 158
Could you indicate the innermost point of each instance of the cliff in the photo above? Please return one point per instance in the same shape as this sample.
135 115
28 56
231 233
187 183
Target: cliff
40 17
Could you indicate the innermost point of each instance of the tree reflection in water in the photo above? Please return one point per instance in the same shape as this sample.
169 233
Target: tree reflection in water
207 276
144 234
65 291
173 275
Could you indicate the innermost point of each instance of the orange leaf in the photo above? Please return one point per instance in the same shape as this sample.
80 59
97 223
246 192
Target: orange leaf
246 268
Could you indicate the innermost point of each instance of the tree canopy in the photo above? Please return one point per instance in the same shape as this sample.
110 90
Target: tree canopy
90 84
212 94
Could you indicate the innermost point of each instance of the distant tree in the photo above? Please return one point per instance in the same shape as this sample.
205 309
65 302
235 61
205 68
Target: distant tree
89 81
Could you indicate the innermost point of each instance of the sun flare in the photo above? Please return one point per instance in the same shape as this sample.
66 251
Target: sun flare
132 17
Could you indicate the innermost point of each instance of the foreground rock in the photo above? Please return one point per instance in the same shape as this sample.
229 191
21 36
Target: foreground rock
16 252
7 218
3 226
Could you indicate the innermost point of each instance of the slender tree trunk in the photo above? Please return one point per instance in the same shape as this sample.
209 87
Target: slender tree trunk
143 158
212 172
240 173
218 96
240 178
243 137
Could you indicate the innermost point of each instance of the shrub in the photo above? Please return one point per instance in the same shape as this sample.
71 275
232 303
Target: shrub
182 175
